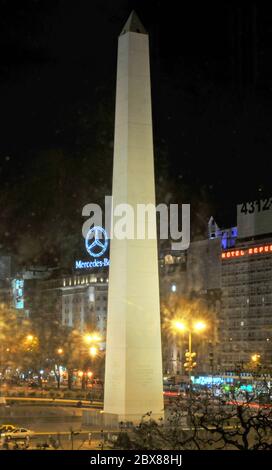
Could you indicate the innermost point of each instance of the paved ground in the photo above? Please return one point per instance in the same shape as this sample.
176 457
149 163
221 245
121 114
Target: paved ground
85 438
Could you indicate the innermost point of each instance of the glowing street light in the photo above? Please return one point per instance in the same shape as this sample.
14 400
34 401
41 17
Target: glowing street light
60 351
199 326
93 351
255 358
88 338
30 338
181 327
96 337
91 338
30 342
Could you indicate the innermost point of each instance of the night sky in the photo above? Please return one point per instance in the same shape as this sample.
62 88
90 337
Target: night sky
212 109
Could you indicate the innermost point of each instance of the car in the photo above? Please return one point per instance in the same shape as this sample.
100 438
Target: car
7 428
18 433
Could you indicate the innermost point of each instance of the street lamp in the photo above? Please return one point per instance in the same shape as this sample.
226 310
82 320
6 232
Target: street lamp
91 338
60 351
29 338
181 327
87 338
30 342
256 358
93 351
199 326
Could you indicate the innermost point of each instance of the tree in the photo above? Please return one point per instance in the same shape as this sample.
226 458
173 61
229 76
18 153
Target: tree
207 424
13 331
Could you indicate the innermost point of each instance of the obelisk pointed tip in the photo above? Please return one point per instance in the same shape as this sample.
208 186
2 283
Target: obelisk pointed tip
133 25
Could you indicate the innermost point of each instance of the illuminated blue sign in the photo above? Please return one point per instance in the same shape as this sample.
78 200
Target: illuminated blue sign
96 244
96 241
18 293
211 380
92 264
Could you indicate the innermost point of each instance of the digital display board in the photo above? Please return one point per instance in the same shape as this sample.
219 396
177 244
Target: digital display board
254 218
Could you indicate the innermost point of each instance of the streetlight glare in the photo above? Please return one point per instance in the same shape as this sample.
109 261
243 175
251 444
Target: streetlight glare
91 338
199 326
96 337
30 338
93 351
255 357
88 338
179 326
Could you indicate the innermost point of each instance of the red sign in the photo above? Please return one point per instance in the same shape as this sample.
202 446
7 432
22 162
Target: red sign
250 251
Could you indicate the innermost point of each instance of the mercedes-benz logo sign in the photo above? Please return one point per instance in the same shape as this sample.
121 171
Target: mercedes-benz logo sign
96 241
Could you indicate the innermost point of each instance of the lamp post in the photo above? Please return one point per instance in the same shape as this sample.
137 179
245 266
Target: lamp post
256 363
91 340
181 327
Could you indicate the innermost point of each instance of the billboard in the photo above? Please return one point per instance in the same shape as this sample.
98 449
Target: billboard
254 218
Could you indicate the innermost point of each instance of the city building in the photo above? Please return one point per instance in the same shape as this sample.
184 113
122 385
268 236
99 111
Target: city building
84 300
246 305
231 272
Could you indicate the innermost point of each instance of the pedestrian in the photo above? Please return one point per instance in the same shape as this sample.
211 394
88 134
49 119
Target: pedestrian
90 438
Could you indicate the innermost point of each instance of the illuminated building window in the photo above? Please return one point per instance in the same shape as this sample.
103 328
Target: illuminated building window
168 259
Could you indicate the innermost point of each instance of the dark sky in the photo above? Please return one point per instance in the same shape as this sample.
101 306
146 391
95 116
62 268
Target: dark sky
211 85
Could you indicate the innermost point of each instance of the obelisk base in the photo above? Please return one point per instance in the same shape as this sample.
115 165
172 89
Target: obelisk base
98 418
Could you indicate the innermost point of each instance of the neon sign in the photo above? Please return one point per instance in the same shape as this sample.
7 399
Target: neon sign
96 244
264 249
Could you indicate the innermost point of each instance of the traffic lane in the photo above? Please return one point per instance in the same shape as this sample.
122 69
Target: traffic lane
60 401
43 426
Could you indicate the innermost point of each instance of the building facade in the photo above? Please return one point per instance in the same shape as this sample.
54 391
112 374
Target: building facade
84 300
246 306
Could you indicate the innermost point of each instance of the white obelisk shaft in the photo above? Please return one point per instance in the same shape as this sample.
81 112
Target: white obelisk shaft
133 377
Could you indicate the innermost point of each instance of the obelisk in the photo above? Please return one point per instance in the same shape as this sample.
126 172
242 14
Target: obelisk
133 376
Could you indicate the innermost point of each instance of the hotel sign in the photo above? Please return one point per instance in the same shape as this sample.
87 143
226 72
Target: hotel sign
257 250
